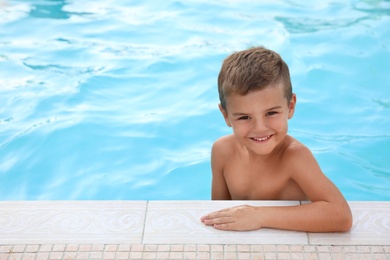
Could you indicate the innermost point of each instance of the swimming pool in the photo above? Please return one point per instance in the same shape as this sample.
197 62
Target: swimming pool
118 99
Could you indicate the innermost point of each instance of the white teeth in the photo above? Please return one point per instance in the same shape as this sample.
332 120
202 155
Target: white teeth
261 139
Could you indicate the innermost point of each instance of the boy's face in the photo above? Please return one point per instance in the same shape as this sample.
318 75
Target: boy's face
260 118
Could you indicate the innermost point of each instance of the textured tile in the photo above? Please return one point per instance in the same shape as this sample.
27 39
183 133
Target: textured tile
61 222
76 225
178 222
371 226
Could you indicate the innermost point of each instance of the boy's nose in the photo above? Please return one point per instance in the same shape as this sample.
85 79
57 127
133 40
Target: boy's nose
260 125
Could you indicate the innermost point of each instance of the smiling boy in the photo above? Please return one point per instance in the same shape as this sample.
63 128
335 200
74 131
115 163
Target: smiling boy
260 161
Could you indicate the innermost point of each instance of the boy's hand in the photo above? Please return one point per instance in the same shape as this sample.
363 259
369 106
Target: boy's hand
239 218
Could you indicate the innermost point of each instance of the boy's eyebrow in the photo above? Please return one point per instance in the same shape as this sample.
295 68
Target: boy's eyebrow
239 114
244 114
275 107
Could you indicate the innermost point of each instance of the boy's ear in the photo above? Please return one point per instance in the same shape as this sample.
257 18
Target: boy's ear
225 115
291 106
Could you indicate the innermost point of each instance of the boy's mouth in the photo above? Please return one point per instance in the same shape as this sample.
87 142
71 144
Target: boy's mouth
261 139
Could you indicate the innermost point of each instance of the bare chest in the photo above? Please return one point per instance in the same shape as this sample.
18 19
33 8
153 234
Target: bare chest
246 182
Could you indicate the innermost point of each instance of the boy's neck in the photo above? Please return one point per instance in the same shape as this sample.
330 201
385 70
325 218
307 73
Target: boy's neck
265 158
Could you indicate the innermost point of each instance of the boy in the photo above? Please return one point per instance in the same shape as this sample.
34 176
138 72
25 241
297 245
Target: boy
259 161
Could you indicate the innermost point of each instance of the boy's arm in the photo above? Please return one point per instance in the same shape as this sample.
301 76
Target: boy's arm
328 212
219 189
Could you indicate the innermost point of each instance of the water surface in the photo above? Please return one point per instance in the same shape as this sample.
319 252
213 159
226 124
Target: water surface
118 99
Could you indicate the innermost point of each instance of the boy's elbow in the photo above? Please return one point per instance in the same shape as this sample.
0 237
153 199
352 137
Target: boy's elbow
346 221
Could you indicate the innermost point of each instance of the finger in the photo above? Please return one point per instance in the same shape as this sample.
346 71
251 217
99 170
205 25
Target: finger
224 226
207 217
219 214
216 221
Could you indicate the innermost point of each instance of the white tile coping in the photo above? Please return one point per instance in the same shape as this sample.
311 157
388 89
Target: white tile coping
168 222
178 222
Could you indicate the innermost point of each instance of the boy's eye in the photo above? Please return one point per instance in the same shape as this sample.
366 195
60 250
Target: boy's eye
243 118
270 113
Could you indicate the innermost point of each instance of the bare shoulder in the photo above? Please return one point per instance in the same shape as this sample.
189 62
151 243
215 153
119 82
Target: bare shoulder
225 145
222 152
300 160
304 169
296 152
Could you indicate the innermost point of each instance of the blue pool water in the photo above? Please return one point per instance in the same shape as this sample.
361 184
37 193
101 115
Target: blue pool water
118 100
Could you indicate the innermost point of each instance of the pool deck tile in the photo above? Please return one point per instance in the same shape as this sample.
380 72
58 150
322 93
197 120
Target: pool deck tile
371 226
32 222
179 222
172 230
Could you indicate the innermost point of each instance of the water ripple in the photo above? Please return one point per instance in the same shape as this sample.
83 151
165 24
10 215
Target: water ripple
307 25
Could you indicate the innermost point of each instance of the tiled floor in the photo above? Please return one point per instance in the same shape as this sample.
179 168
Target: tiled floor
98 251
172 230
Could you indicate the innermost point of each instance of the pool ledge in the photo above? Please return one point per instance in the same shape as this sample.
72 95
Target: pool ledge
168 222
